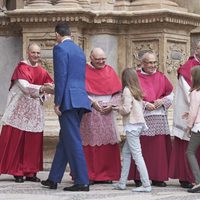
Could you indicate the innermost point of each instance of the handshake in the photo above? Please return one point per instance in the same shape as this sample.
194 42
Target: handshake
47 88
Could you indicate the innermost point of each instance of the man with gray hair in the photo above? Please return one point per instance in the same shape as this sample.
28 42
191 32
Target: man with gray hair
156 141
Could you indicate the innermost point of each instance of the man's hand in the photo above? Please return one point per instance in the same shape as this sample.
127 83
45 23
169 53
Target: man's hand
48 88
158 103
57 110
150 106
106 109
96 106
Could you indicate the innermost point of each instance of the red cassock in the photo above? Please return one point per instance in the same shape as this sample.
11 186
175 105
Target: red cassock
98 131
155 142
179 166
21 151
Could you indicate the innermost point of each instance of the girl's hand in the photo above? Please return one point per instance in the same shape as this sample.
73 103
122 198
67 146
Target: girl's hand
188 131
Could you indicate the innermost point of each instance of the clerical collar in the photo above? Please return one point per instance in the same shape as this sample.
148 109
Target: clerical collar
29 63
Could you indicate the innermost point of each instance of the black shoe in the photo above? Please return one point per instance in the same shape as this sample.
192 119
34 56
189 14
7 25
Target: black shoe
19 179
159 183
77 187
33 179
138 183
194 189
91 182
185 184
50 184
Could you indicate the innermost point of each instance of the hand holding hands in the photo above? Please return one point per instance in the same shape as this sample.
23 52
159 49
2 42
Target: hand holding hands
47 88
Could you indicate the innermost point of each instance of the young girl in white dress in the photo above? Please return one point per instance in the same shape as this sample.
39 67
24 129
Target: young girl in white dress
131 110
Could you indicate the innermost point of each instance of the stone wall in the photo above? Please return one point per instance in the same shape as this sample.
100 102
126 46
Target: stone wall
10 54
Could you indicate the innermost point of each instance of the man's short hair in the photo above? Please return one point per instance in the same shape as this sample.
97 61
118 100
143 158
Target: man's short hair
62 28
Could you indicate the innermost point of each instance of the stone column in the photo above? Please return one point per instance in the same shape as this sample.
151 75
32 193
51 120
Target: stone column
68 3
39 3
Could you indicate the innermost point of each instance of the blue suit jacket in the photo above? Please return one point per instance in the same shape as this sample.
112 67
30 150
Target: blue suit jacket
69 76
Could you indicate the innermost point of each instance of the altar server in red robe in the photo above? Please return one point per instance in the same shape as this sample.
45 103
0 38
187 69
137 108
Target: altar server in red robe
98 131
156 141
21 139
179 166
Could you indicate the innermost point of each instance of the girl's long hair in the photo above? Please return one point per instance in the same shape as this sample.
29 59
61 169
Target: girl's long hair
195 72
130 80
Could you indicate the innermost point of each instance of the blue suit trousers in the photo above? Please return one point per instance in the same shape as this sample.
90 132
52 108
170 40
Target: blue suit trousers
69 149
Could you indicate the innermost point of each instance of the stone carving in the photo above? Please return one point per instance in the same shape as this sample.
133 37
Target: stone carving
141 47
194 41
81 42
176 55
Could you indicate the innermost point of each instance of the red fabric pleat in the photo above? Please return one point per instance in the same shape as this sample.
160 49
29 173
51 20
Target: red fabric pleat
21 152
156 152
103 162
179 166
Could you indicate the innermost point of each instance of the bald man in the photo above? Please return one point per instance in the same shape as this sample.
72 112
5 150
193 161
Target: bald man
98 132
21 139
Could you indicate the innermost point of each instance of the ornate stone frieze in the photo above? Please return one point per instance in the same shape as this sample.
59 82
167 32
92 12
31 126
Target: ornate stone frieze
176 55
106 17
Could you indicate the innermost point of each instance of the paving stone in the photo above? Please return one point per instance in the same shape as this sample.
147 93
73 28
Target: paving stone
9 190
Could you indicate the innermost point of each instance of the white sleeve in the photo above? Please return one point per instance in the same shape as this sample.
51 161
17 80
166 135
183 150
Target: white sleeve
28 89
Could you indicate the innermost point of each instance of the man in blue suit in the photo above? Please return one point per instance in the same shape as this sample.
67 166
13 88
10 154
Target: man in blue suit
71 102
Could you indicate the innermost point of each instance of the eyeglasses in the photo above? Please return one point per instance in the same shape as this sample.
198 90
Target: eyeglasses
151 62
98 59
